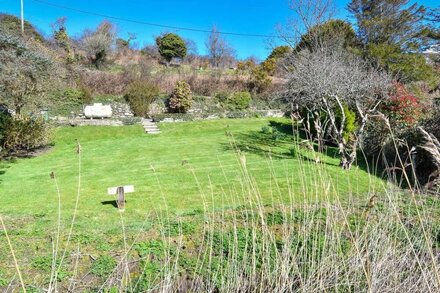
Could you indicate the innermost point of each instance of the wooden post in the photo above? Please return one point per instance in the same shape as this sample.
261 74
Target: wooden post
121 198
120 191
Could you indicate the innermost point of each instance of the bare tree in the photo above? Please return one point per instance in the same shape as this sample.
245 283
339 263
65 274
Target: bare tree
219 51
98 43
192 50
307 14
329 80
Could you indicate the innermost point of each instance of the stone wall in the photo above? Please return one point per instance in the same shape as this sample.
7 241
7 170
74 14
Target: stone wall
121 110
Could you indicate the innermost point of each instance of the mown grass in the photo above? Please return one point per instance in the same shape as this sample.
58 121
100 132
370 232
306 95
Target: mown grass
175 169
182 176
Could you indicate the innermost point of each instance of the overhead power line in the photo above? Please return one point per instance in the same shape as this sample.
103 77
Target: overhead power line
153 24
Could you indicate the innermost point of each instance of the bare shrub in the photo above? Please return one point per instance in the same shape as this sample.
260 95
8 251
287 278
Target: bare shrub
101 82
328 79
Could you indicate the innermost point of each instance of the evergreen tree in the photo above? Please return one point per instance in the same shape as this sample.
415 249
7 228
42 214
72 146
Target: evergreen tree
391 22
392 33
171 46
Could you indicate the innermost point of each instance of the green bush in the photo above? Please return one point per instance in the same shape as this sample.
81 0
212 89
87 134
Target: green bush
86 94
350 124
75 96
239 101
181 99
23 133
140 95
222 98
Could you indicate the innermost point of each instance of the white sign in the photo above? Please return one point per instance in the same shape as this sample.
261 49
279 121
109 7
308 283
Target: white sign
114 190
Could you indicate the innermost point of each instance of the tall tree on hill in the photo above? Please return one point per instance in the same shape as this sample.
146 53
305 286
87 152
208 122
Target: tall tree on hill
434 24
388 21
98 43
392 33
334 32
171 46
62 39
219 51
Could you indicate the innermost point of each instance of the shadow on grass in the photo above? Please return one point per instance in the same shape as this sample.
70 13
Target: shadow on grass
280 141
4 165
114 203
6 160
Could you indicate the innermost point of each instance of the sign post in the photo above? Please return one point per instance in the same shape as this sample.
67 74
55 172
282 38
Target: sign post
120 191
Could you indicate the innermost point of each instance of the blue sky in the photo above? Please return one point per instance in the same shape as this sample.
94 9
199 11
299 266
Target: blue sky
241 16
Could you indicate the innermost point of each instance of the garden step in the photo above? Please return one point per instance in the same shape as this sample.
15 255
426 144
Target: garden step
149 126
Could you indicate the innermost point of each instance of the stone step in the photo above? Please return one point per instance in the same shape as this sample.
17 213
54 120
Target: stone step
149 126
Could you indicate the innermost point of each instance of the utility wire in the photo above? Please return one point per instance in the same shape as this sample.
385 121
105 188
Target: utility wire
152 24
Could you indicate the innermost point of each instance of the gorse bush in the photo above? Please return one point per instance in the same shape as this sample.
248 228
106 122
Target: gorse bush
181 99
24 133
140 95
259 80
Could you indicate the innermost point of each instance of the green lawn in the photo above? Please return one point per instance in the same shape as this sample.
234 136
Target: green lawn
187 167
192 167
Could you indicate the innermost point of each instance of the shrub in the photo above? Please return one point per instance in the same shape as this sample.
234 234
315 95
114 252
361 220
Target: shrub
350 124
403 108
23 133
239 101
181 99
74 96
4 118
222 98
86 94
140 95
278 53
